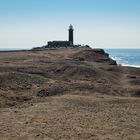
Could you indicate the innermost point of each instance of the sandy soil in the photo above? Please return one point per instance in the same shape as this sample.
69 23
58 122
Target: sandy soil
84 97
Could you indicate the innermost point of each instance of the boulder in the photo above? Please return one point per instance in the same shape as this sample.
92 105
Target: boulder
43 93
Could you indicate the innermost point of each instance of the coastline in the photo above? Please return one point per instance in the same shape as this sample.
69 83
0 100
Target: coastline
127 65
115 58
128 57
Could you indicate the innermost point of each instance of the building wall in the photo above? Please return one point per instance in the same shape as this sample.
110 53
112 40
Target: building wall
59 43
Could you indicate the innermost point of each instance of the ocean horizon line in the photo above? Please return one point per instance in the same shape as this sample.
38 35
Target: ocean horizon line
91 47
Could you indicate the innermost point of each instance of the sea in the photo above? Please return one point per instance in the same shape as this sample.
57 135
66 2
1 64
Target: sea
125 57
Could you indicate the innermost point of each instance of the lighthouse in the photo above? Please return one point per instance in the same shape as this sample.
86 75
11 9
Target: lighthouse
71 34
61 43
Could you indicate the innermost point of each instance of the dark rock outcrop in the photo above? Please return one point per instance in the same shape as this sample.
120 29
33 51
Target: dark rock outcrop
43 93
95 55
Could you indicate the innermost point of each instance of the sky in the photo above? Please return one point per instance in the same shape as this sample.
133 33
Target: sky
98 23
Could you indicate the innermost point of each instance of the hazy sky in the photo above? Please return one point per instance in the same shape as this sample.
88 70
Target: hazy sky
99 23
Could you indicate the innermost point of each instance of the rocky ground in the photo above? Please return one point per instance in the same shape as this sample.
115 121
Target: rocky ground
67 93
